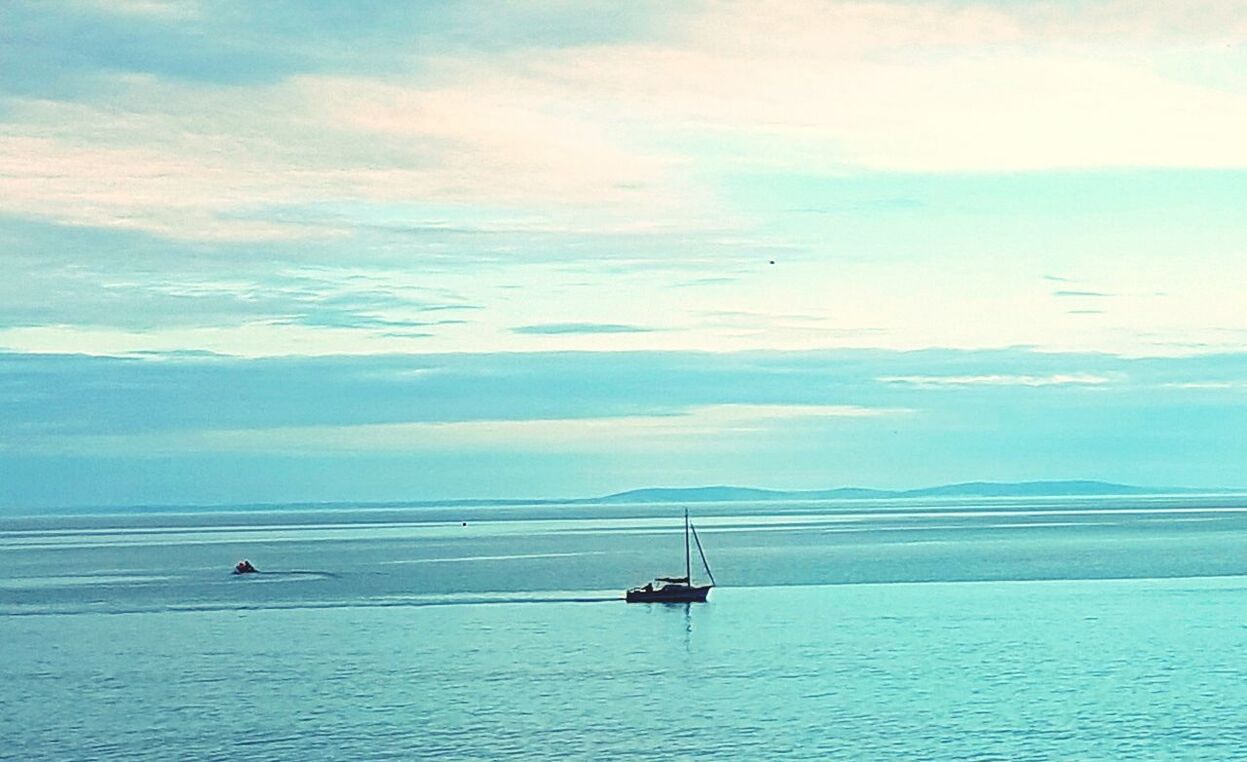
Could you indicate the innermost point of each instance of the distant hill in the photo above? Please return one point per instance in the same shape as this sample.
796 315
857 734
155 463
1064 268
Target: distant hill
1038 489
965 489
715 494
729 494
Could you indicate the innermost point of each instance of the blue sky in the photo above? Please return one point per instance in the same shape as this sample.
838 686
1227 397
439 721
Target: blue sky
287 251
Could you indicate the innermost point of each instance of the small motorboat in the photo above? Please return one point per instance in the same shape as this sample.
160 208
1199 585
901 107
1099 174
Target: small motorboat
676 589
245 567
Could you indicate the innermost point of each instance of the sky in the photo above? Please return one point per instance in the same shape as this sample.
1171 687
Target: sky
289 251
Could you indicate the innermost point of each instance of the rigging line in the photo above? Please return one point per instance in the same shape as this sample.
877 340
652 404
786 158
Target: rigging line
703 556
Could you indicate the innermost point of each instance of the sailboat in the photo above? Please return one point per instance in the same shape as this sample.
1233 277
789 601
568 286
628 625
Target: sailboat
677 589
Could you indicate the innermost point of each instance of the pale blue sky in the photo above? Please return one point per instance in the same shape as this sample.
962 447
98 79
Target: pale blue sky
291 251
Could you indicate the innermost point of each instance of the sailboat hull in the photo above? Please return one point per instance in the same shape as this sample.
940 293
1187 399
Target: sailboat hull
669 594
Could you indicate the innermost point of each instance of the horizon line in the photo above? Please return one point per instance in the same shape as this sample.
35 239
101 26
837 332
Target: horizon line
875 494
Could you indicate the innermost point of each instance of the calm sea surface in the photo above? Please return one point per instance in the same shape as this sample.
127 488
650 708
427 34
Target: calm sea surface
989 629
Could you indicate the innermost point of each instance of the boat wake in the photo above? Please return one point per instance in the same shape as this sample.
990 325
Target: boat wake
284 576
293 605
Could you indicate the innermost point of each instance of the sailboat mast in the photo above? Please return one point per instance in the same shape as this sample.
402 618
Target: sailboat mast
702 552
688 564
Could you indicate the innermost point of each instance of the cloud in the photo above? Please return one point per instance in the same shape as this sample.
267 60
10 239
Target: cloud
81 279
564 328
648 433
1207 385
63 50
698 282
571 118
171 9
197 165
181 391
903 87
460 149
1080 379
190 391
192 429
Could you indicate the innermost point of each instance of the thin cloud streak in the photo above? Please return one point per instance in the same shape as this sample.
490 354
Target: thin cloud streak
557 329
1080 379
701 424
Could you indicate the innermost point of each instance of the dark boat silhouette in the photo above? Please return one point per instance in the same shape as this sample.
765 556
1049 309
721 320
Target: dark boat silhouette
245 567
676 589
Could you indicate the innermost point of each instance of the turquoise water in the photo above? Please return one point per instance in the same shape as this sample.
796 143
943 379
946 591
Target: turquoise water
997 630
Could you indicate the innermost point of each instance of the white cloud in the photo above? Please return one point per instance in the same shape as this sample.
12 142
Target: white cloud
909 87
635 130
195 163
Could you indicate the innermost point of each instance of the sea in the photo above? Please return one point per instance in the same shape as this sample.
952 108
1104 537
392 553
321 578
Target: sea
958 629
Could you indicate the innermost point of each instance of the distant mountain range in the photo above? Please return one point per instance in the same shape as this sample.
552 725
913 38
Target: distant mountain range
964 489
703 495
